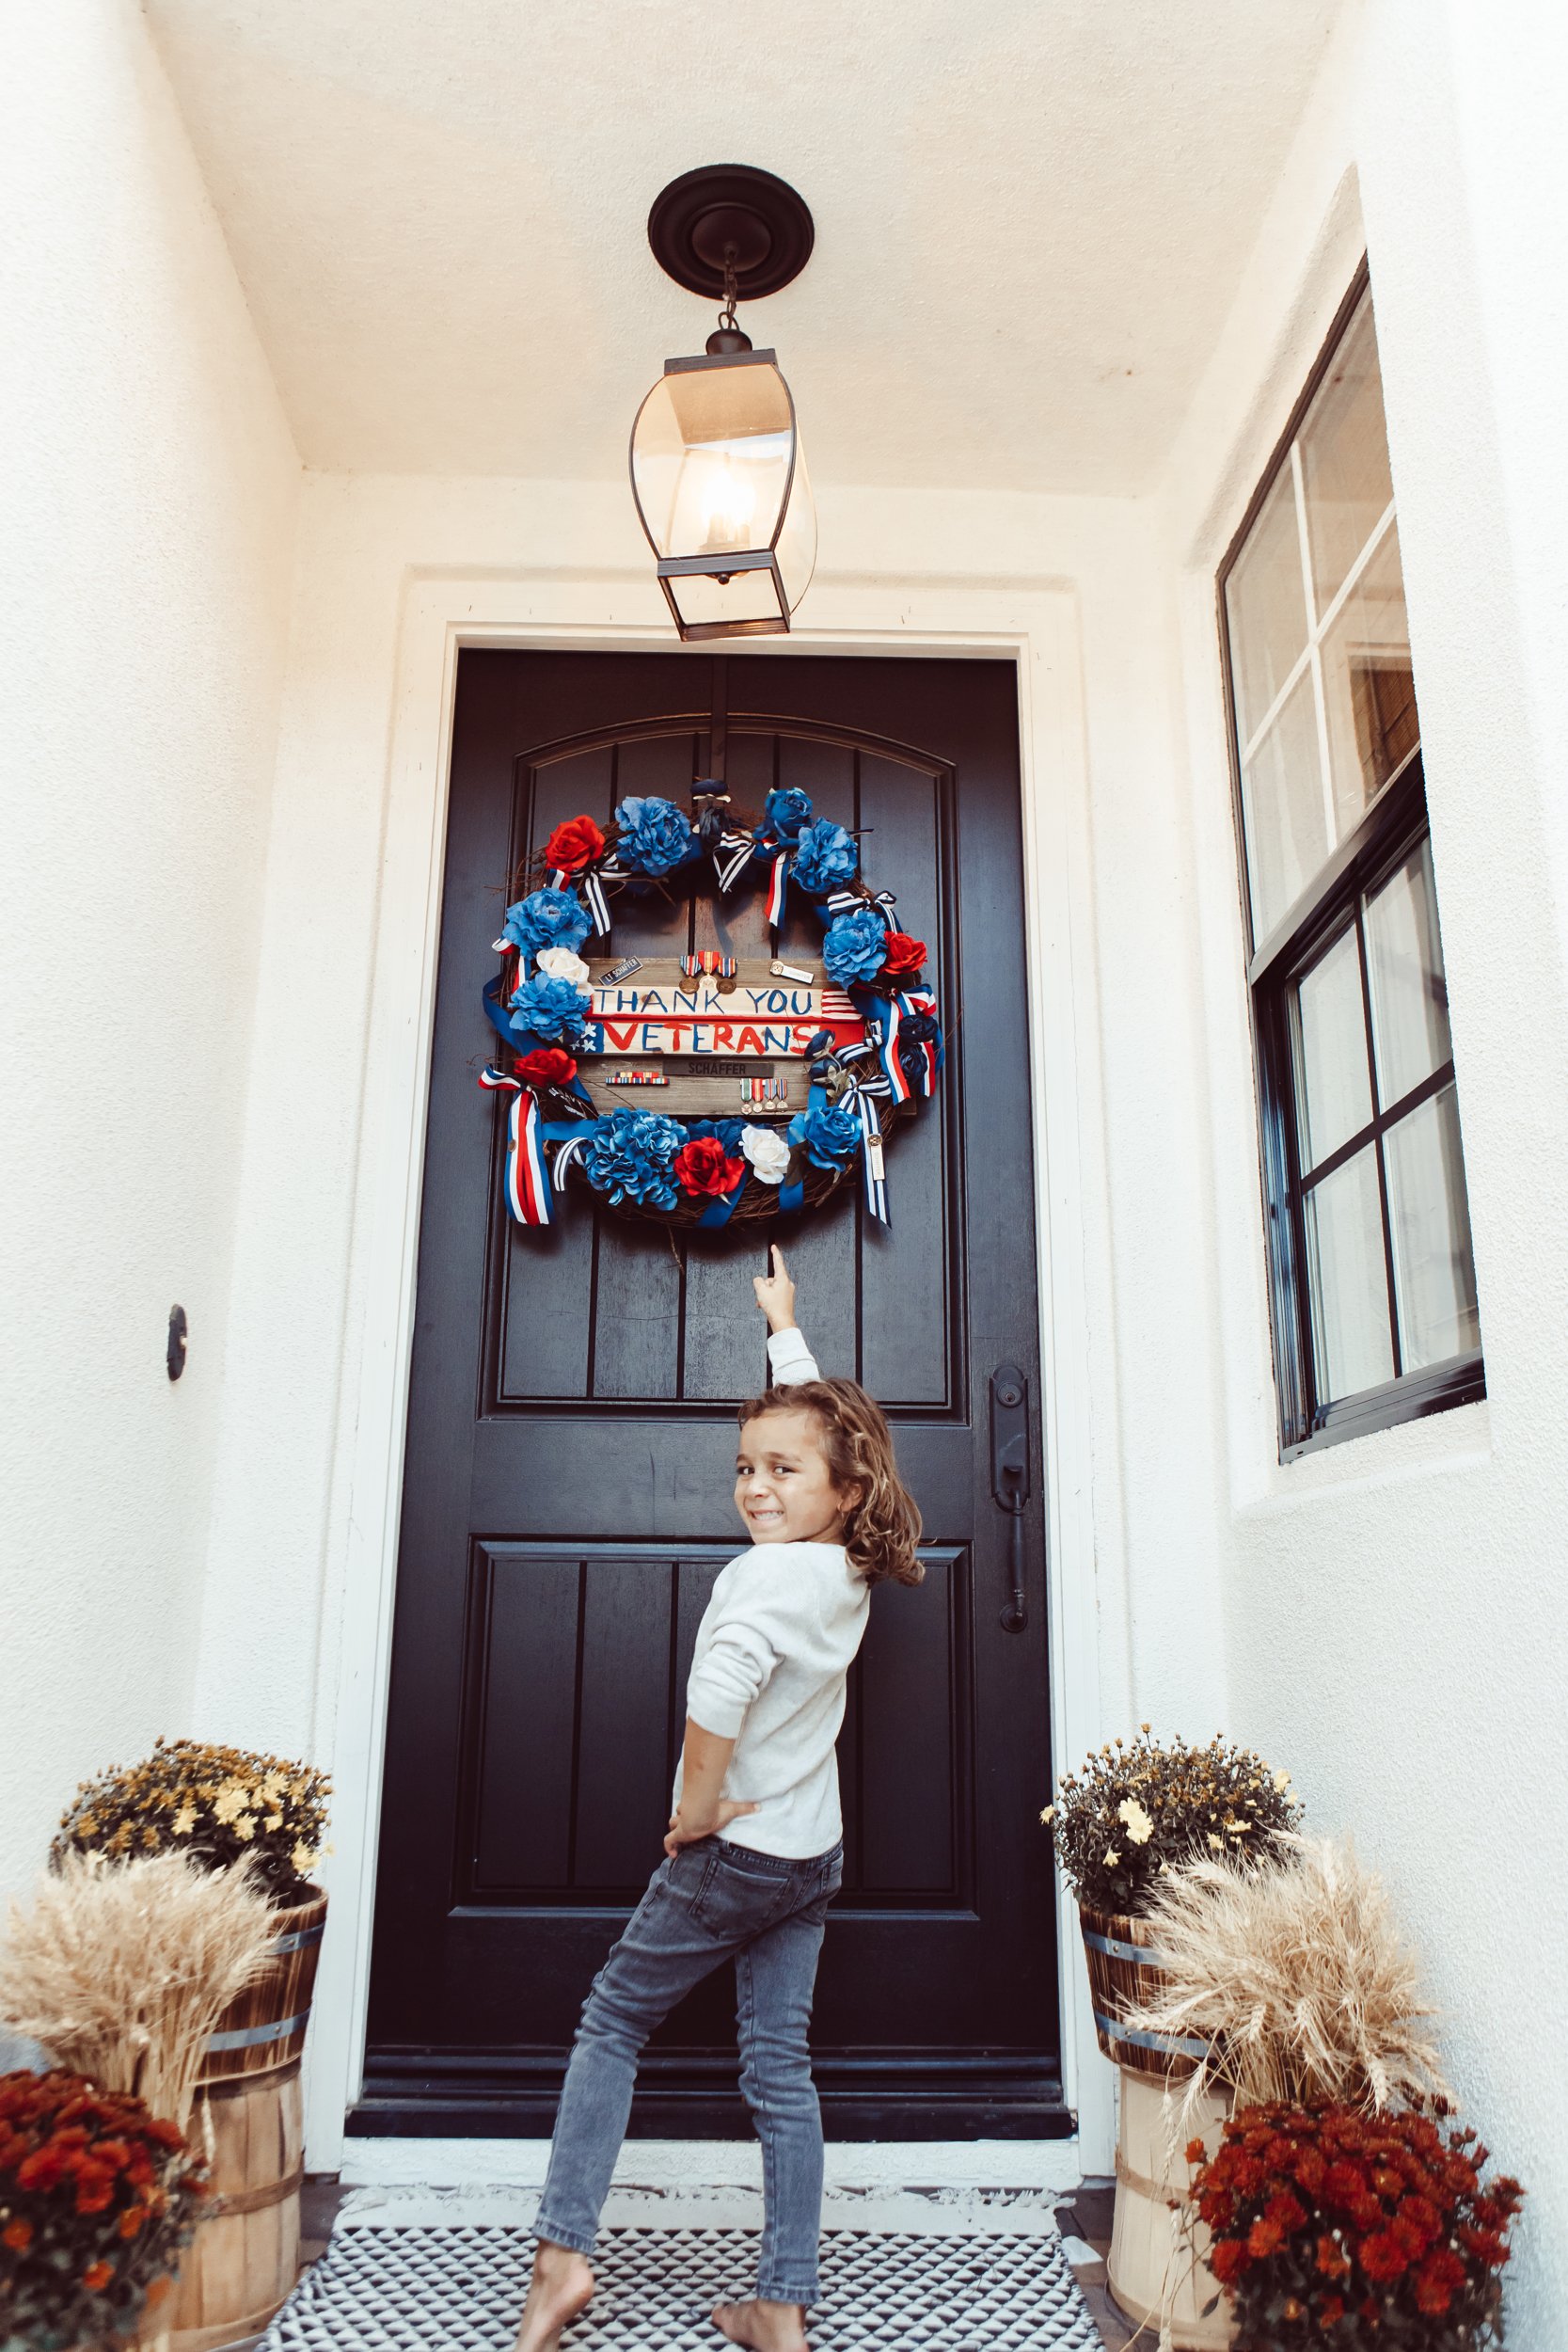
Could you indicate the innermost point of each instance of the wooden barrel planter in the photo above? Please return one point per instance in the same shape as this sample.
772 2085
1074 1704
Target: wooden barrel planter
240 2267
1159 2270
1124 1970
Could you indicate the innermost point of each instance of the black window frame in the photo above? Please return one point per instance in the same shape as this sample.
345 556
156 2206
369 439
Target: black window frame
1392 825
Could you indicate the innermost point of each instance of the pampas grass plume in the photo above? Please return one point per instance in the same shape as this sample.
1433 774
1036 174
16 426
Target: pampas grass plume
1298 1978
122 1970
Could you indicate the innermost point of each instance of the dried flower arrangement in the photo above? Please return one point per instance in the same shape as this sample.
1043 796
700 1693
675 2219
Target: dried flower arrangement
1332 2227
221 1805
121 1971
1297 1979
97 2198
1132 1813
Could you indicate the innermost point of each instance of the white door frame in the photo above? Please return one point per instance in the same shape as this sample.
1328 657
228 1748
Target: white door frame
1032 622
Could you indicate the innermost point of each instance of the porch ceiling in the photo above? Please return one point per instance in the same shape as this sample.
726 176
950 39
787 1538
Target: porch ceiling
1030 216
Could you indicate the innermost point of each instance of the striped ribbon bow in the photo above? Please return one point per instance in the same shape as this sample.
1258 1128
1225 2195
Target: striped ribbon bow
850 902
729 848
528 1184
858 1097
593 878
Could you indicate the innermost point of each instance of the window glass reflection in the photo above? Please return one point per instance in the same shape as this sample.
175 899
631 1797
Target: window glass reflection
1434 1273
1266 607
1404 966
1344 459
1334 1092
1368 686
1286 825
1347 1280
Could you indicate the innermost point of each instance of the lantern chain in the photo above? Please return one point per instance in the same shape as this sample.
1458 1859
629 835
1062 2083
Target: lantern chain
732 290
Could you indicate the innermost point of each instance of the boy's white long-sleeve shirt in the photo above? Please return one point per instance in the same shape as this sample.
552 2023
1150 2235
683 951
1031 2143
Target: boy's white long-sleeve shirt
774 1649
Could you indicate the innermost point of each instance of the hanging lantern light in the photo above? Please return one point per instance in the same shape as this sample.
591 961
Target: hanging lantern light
716 468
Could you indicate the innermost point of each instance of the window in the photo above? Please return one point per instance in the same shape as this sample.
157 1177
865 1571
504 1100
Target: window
1372 1282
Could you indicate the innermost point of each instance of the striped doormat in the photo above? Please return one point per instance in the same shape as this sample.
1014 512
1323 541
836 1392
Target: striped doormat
461 2290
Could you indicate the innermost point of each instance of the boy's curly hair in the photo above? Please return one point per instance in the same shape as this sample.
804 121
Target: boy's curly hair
883 1530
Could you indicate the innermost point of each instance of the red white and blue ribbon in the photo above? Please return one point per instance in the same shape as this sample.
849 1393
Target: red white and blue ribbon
922 1001
777 884
527 1182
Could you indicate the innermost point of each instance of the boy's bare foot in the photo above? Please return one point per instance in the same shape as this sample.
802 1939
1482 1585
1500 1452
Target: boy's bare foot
559 2290
766 2327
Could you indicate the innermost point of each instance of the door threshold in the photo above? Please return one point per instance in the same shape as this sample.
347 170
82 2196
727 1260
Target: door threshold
652 2172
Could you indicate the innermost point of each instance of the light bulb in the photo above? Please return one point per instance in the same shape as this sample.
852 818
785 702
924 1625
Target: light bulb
729 508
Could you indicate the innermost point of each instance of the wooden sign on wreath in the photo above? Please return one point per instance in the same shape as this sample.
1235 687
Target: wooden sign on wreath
690 1091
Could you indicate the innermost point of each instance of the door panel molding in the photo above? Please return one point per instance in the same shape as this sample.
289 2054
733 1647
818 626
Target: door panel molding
1030 621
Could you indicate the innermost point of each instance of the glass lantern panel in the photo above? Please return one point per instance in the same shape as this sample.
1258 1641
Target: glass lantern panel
798 538
710 459
741 600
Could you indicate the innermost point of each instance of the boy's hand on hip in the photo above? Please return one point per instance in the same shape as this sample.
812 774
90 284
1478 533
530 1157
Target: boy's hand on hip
686 1828
776 1293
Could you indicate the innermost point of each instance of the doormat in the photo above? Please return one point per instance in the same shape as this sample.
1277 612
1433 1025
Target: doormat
461 2290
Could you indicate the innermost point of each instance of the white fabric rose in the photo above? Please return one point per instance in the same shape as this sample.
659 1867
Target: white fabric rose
562 965
767 1151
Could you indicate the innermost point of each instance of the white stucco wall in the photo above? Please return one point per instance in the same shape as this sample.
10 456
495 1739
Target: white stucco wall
146 538
1396 1612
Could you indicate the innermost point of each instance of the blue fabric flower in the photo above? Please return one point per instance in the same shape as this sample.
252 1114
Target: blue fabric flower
728 1131
550 1010
654 837
825 858
855 946
630 1156
785 814
546 919
831 1138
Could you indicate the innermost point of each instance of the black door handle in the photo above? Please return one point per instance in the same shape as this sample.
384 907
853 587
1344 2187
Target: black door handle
1009 1478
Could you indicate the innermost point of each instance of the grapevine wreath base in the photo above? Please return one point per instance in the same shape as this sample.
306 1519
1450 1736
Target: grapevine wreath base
819 1069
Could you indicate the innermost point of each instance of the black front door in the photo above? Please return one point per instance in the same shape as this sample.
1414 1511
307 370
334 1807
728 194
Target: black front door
571 1435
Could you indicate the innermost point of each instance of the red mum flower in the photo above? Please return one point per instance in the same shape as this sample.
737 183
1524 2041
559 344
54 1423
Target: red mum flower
573 845
1383 2256
1228 2259
131 2220
1486 2244
1437 2279
1342 2181
1331 2310
1285 2210
1264 2238
548 1066
704 1166
97 2276
1333 2261
18 2235
902 954
1195 2151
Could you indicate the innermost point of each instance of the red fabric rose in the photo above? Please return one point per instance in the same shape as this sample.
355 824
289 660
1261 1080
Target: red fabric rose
704 1166
903 955
573 845
548 1066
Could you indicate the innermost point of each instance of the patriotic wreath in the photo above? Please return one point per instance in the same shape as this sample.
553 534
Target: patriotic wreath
869 1038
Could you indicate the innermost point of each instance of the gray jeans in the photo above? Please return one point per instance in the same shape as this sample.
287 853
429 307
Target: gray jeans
712 1902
